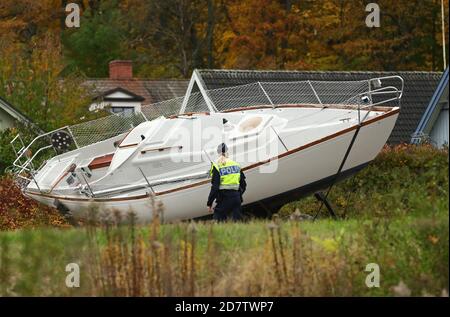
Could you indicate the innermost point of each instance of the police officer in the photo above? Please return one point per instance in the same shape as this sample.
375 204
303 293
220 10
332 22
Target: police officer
227 186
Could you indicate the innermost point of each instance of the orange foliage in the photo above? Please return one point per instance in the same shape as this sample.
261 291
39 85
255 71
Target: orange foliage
19 212
170 38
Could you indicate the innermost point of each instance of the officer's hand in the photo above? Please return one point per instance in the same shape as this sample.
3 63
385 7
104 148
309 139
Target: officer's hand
210 209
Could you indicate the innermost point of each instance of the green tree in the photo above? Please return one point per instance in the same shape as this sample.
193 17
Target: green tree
100 39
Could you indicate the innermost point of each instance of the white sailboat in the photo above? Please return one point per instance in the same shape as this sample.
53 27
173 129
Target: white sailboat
290 139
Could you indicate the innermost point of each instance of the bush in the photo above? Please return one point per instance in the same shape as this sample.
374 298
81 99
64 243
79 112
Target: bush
402 179
20 212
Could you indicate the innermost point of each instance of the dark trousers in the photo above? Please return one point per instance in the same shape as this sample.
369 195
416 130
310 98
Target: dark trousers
228 202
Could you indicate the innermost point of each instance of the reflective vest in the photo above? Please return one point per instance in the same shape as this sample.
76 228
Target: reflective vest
230 174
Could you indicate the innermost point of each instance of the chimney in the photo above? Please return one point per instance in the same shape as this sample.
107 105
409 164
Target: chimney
120 69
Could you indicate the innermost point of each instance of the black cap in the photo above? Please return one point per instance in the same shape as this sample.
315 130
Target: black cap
222 148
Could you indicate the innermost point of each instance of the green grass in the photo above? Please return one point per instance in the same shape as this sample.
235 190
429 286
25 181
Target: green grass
412 249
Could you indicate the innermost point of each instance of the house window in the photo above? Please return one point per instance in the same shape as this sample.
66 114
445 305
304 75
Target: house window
125 111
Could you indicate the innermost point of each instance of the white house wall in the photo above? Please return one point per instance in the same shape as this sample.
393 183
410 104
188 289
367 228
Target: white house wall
118 94
439 133
6 121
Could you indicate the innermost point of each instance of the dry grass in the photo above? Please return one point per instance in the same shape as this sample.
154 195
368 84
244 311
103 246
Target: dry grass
277 258
288 258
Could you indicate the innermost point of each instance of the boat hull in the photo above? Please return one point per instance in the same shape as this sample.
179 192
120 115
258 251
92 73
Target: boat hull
297 172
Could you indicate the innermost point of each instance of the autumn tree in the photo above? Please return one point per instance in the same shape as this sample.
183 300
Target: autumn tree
180 34
170 38
34 84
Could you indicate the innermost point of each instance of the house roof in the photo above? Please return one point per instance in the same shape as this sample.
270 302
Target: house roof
418 90
434 107
151 90
14 112
106 95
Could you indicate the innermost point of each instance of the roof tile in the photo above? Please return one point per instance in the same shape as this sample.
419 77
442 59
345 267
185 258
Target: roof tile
152 90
